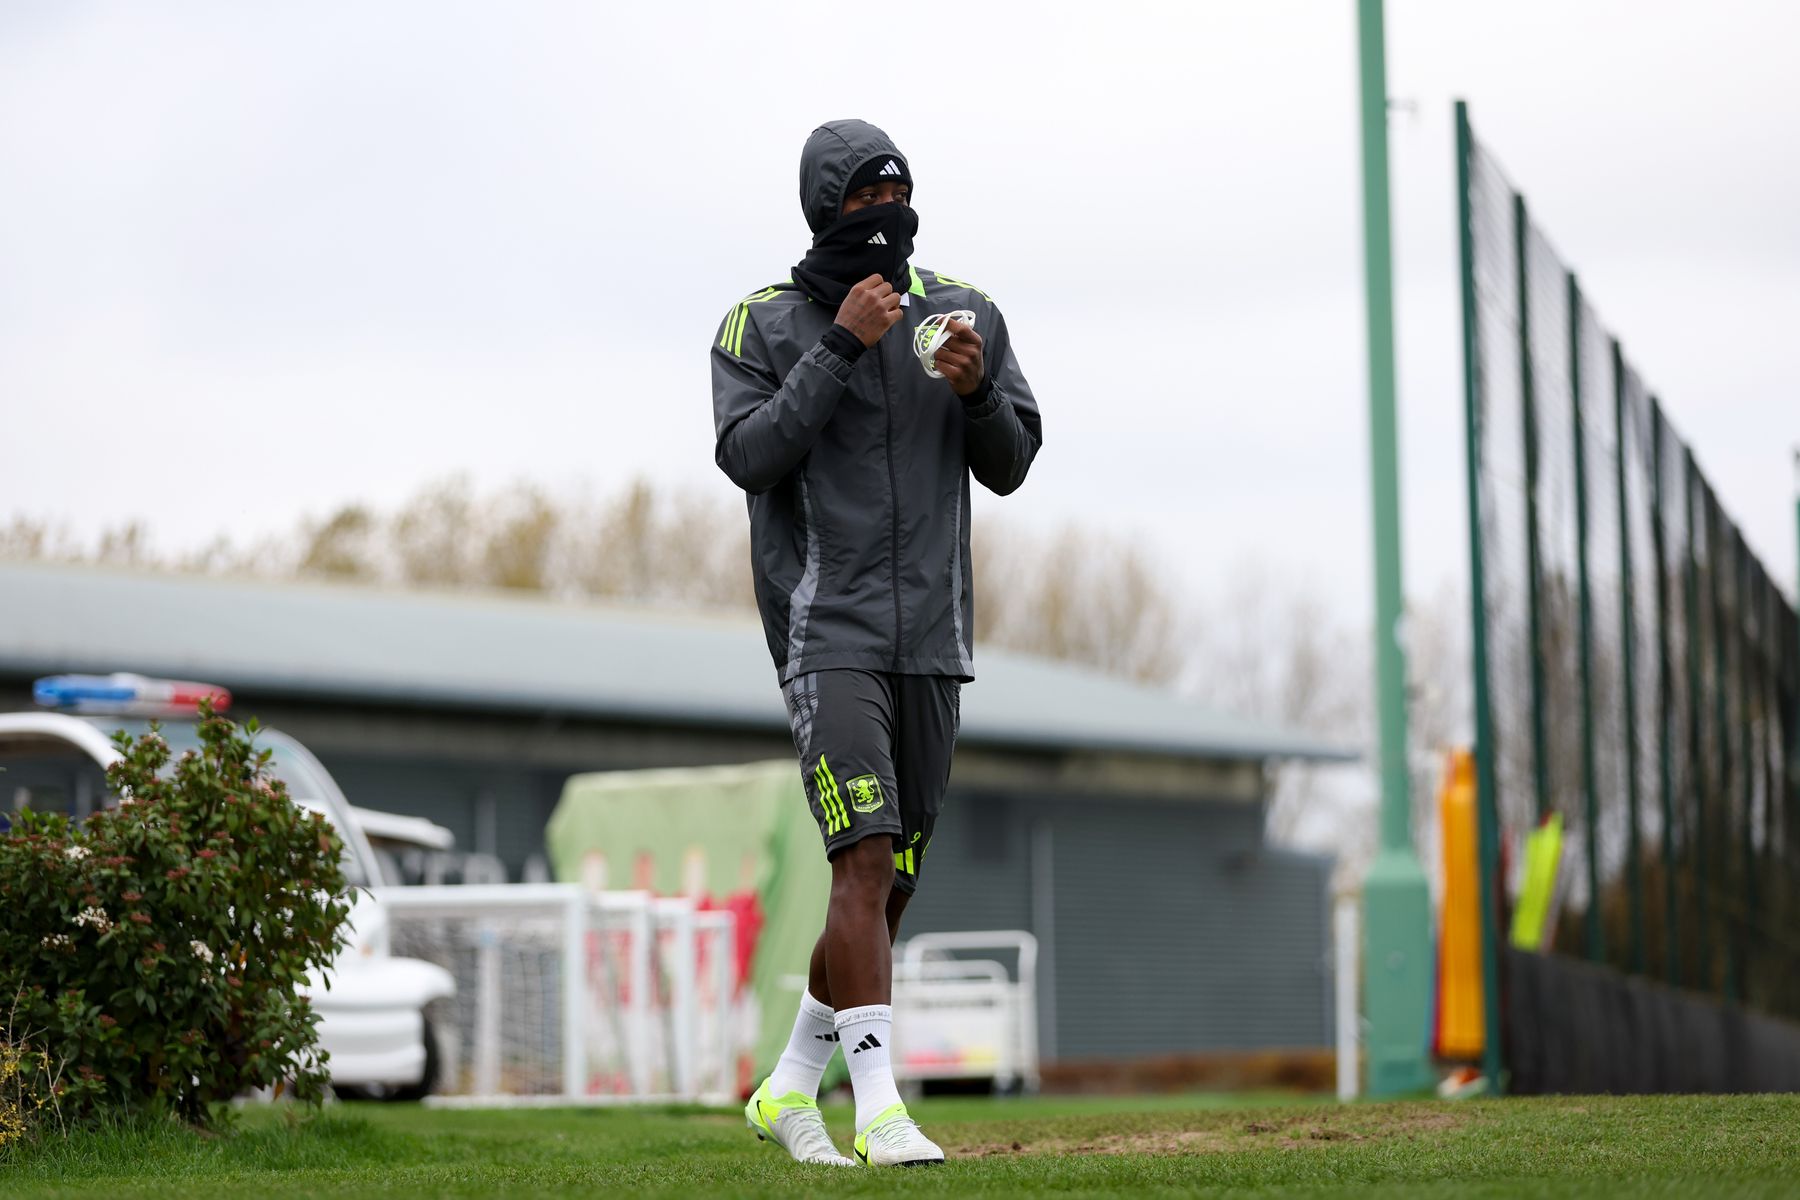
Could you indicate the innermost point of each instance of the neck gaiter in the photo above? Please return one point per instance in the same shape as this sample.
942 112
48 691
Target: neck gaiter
877 240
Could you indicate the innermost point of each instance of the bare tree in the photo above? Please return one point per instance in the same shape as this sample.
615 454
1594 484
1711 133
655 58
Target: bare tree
646 546
435 535
341 546
30 539
24 538
522 527
126 545
1439 693
1267 647
1079 597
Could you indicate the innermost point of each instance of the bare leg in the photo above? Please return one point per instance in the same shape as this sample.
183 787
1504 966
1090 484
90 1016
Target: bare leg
818 979
859 963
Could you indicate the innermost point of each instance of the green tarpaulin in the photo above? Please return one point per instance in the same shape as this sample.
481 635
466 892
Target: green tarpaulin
737 837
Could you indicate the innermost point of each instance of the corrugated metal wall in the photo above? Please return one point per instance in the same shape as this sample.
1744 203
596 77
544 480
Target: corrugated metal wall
1167 927
977 874
1176 931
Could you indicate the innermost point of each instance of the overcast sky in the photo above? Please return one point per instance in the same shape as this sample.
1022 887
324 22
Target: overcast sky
257 260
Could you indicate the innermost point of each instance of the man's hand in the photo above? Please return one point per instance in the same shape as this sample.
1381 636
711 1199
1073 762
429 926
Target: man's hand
959 358
870 310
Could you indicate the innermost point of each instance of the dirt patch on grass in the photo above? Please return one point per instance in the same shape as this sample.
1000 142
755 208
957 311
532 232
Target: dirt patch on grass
1302 1129
1428 1120
1169 1141
1220 1134
1345 1125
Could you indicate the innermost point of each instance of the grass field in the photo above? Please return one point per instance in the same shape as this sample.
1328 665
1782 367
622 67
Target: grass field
1593 1146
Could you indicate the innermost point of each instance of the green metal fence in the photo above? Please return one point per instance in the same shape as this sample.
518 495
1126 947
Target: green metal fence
1637 671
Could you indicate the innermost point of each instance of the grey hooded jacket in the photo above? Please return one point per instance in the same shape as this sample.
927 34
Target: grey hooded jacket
858 474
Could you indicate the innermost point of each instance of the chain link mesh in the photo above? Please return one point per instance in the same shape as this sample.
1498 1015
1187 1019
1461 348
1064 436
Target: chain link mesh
1643 670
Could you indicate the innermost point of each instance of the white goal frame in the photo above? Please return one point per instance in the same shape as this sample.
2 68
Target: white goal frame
673 1052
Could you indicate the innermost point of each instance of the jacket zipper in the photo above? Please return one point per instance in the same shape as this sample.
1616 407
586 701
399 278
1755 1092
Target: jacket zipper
887 404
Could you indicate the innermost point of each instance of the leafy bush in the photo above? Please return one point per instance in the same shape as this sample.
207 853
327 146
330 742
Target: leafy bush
156 948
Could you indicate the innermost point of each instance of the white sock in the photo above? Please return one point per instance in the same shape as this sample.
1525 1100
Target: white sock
864 1033
809 1049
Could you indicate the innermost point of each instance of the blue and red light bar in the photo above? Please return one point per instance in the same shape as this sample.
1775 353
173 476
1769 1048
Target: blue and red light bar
122 694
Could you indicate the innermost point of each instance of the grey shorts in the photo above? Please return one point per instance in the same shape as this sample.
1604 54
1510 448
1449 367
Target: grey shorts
875 756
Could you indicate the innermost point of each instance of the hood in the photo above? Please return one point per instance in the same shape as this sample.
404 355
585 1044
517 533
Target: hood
833 153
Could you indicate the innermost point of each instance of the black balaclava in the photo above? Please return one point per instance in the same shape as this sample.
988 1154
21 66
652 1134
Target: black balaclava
877 240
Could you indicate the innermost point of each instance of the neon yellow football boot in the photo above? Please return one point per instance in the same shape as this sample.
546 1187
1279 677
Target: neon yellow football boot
794 1123
893 1139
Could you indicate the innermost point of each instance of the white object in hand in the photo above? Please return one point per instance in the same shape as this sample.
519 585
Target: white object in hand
932 333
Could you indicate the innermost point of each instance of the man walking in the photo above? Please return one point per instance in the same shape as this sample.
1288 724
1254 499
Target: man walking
854 421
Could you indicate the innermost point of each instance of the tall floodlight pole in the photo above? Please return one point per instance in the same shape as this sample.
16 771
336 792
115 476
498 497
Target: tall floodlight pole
1397 955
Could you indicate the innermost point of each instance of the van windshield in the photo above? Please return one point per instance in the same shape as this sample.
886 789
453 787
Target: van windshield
303 783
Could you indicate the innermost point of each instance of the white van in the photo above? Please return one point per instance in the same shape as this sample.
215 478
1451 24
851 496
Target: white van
372 1018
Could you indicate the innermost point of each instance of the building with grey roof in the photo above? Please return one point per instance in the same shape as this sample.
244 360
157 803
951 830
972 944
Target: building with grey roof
1120 823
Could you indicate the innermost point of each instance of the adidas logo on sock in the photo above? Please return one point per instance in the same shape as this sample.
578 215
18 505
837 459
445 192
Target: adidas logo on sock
826 1037
870 1042
892 168
878 240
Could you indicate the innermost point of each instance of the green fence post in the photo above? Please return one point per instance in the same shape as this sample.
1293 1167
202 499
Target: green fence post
1791 759
1781 904
1785 903
1772 898
1596 945
1487 799
1665 702
1747 764
1774 732
1715 556
1628 658
1398 959
1528 394
1697 764
1789 658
